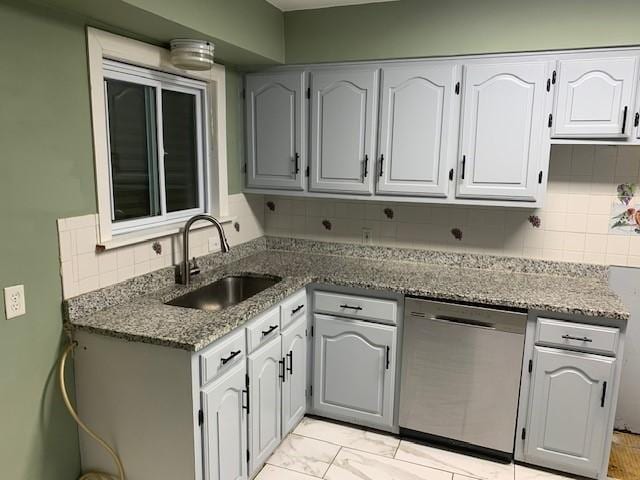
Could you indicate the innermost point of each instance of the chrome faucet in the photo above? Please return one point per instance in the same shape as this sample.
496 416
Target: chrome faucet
188 268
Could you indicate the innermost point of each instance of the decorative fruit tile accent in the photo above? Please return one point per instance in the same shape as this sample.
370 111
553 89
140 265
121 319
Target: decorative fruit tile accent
625 211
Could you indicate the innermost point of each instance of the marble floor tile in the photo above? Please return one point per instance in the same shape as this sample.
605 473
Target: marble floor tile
305 455
454 462
271 472
526 473
357 465
346 436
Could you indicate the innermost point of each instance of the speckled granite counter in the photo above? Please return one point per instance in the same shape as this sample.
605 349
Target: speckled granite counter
136 311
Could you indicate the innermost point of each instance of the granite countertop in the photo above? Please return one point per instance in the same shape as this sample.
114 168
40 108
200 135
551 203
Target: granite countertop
578 289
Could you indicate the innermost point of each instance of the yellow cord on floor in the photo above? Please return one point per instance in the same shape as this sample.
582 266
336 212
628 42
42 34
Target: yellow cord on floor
67 402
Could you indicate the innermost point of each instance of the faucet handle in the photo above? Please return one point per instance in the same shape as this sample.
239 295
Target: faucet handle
193 267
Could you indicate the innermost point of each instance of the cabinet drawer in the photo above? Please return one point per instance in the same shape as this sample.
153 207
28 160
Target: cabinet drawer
221 357
263 328
292 308
355 306
579 336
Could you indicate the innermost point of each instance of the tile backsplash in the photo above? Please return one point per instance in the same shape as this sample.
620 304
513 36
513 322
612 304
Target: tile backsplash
84 270
572 226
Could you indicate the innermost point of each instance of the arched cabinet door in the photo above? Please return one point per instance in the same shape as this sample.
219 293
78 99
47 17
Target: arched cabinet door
504 131
595 97
224 430
276 129
294 351
570 405
354 370
418 129
343 119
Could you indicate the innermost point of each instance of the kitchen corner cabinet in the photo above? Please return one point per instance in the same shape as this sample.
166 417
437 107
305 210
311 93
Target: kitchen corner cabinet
504 134
224 431
294 385
570 409
266 369
276 130
354 370
418 128
595 97
343 121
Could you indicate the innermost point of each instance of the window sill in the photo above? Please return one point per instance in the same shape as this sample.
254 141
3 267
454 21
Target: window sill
133 238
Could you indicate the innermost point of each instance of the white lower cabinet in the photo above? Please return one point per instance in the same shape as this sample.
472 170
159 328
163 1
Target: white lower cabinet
224 434
294 386
569 410
266 368
354 370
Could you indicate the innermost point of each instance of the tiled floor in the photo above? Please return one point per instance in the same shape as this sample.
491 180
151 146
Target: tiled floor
319 449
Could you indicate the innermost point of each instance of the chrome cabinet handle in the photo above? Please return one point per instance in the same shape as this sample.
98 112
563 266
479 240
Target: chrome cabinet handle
579 339
230 357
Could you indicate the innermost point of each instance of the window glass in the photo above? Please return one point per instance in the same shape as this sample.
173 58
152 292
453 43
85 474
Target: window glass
133 148
180 140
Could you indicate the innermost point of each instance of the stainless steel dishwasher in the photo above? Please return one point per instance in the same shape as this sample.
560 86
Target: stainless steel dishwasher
461 372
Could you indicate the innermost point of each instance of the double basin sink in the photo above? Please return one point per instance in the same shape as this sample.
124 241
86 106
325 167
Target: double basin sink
225 292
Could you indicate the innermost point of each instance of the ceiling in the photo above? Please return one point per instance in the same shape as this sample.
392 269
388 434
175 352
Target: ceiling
288 5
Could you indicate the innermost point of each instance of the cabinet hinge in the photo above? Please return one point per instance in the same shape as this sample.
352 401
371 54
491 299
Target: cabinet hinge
530 366
308 92
636 120
553 77
244 168
550 123
306 171
311 390
200 417
312 330
524 433
540 177
451 174
244 93
548 84
248 455
458 88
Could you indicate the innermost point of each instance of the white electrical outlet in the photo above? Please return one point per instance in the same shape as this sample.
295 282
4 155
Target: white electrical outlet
14 304
367 236
214 244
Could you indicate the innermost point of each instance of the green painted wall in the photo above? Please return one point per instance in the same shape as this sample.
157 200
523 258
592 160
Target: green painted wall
46 172
416 28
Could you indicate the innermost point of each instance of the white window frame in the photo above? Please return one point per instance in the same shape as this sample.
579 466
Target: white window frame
151 63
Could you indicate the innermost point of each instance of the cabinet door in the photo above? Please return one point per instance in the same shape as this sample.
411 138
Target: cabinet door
503 121
418 129
594 97
354 370
343 119
294 351
225 427
570 404
276 129
265 367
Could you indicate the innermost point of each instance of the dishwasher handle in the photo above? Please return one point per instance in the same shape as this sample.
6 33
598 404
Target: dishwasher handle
466 322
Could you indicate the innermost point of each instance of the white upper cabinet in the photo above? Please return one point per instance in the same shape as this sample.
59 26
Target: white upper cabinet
418 128
276 130
504 130
570 405
595 97
343 119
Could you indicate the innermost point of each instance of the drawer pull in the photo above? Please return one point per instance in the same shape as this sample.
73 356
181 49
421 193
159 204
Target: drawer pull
233 355
350 306
604 394
269 330
290 357
297 309
579 339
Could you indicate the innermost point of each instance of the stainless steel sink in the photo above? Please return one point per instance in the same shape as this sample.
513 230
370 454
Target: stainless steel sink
225 292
